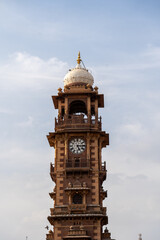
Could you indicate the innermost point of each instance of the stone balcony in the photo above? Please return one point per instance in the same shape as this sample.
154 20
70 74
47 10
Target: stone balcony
81 210
78 165
78 122
78 208
75 165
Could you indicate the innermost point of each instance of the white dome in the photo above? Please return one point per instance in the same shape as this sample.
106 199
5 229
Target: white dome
78 75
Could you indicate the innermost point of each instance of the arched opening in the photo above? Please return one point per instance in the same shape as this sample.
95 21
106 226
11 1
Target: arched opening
62 112
93 114
77 198
92 111
77 107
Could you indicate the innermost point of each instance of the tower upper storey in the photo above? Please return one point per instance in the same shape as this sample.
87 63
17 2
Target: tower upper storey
78 75
78 102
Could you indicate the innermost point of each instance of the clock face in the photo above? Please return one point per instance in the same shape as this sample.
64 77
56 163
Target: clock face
77 145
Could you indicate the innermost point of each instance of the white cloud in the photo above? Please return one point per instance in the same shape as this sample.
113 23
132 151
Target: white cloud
136 69
26 71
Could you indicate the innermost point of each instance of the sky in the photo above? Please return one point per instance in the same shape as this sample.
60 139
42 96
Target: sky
119 43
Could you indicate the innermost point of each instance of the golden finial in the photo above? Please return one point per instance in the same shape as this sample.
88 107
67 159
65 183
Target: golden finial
79 58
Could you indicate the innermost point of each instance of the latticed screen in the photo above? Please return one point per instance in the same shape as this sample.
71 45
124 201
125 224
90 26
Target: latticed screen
77 199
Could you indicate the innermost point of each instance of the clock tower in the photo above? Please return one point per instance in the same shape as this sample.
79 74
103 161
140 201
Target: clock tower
78 170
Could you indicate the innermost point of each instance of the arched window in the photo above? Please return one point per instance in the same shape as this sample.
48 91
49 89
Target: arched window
77 107
77 198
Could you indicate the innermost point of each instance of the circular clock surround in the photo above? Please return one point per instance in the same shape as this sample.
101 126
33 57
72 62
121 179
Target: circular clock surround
77 145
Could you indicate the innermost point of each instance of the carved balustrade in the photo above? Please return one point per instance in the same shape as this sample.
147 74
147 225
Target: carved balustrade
77 121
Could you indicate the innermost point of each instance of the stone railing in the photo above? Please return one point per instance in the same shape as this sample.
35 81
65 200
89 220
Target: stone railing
78 163
77 207
77 231
77 121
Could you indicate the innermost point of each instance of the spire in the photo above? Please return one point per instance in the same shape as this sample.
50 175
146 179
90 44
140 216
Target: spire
140 237
79 58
